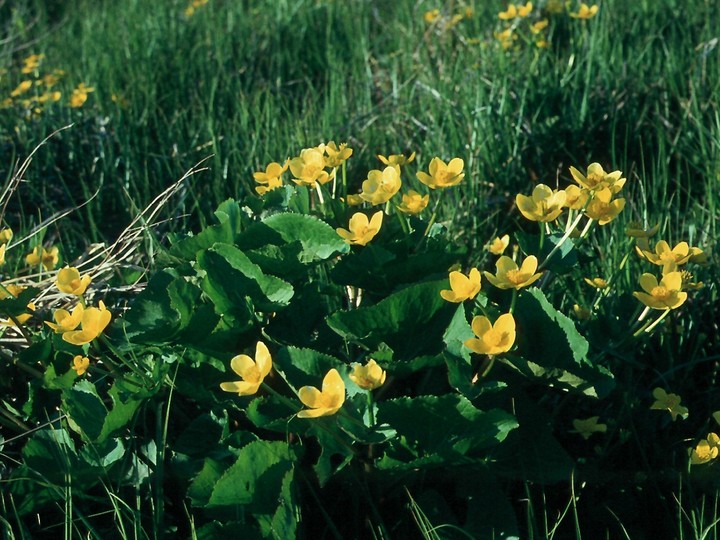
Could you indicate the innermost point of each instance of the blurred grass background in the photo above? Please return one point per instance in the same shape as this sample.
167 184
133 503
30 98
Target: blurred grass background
247 82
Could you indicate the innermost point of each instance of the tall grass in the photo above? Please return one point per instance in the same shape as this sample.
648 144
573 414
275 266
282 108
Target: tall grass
250 82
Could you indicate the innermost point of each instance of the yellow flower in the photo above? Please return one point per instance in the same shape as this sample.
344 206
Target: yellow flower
462 287
670 403
6 235
588 426
598 282
396 159
581 313
413 202
664 256
2 254
271 178
442 175
597 178
585 12
506 38
664 295
336 156
21 88
509 276
380 186
510 13
80 364
576 197
354 200
325 402
539 26
431 16
706 450
66 321
492 339
309 168
69 281
47 257
361 230
252 372
368 377
79 95
688 283
94 320
31 63
524 11
636 230
698 256
544 205
499 244
602 208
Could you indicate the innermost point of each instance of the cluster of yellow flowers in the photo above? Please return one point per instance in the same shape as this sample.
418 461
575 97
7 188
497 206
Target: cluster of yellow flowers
91 320
308 169
523 20
37 90
79 326
319 402
444 22
668 293
317 166
517 21
594 195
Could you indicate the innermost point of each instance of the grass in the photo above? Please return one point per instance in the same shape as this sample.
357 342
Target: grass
240 84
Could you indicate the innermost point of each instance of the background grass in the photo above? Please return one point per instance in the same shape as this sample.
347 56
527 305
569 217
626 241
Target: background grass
635 88
243 83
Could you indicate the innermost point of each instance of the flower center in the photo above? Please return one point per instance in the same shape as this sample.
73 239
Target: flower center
668 256
515 276
660 292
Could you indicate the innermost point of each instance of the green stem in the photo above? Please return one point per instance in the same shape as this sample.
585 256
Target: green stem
542 237
433 217
371 408
564 238
513 300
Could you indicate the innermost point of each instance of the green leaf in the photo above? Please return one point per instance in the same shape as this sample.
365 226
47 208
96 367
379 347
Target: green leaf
318 239
270 412
551 348
201 436
51 454
104 455
382 269
284 521
531 452
562 261
85 409
232 277
335 446
306 367
446 425
120 415
255 478
201 488
162 309
411 321
230 222
14 306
